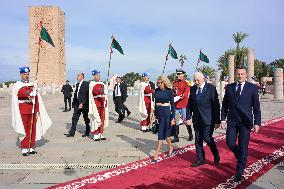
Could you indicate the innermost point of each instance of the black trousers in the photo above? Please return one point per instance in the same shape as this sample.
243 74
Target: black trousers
75 118
120 108
67 99
204 133
240 150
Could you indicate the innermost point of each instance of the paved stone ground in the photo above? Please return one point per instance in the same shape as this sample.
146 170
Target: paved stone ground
125 143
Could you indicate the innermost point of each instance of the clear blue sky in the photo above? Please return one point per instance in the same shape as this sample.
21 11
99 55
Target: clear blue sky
144 29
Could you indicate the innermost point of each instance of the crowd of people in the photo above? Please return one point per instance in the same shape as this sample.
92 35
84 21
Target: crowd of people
164 103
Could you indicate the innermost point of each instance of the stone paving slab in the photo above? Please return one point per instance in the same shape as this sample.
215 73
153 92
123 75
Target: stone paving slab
125 143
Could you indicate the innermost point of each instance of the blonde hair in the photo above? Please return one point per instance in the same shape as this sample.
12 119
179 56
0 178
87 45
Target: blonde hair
165 80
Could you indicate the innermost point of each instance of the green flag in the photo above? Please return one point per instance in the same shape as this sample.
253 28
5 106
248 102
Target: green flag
203 57
172 52
116 45
44 35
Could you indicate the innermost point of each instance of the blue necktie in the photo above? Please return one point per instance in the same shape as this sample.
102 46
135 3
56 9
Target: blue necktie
198 93
238 93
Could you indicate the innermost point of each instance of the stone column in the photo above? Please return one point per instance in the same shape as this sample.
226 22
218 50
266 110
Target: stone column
250 64
53 88
231 68
43 92
278 84
217 81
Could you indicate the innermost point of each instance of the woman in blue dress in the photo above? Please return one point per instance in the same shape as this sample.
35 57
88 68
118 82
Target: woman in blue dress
164 112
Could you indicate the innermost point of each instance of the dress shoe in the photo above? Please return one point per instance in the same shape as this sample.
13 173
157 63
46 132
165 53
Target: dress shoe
118 121
154 161
238 177
85 135
25 154
33 152
65 110
128 114
217 159
102 138
145 131
190 138
69 135
69 109
198 163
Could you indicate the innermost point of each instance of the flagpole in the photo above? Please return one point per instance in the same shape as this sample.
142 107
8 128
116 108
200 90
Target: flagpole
34 90
198 61
166 61
109 60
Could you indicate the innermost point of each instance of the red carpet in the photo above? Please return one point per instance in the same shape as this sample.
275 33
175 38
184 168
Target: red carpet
265 150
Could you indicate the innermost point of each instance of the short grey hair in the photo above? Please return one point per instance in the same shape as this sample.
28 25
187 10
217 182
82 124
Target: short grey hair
197 75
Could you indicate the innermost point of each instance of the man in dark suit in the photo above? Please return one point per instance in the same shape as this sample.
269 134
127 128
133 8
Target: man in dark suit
242 109
205 107
67 92
81 105
119 97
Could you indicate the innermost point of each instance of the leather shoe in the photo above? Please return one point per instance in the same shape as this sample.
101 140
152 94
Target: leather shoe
69 135
217 159
190 138
33 152
238 177
85 135
118 121
65 111
25 154
198 163
128 114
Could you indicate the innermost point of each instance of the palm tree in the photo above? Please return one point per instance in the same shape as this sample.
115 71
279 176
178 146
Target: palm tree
238 38
182 59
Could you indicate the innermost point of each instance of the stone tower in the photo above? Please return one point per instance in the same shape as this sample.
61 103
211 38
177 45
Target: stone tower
51 60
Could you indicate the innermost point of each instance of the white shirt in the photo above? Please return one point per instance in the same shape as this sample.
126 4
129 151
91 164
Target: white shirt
242 86
80 83
117 90
201 87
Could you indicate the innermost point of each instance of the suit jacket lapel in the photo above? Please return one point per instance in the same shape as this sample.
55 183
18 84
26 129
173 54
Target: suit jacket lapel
204 90
244 89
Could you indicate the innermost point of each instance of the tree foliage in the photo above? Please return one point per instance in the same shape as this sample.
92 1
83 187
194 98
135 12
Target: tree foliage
182 59
209 71
130 78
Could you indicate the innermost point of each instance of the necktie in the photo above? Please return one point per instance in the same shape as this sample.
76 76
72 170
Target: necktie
117 90
238 93
198 93
76 90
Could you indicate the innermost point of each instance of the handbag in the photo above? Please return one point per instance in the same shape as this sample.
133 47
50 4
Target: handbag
155 127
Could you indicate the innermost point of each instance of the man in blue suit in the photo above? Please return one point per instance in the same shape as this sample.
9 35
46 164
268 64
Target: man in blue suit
204 105
241 108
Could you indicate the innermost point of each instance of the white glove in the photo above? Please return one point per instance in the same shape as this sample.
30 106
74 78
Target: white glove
176 98
34 93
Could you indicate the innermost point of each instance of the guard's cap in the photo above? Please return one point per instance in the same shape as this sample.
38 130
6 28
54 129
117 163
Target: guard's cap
24 70
145 74
180 71
95 72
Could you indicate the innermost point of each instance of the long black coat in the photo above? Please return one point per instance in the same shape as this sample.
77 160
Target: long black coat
83 95
67 90
123 90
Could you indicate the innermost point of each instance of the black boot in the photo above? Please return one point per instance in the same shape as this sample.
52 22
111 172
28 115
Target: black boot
176 133
189 130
